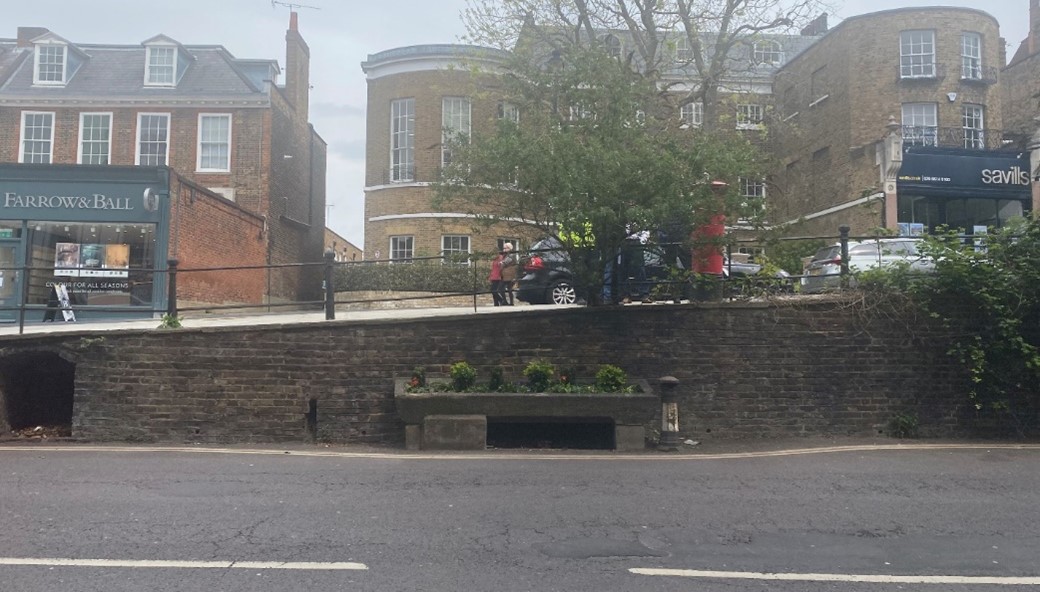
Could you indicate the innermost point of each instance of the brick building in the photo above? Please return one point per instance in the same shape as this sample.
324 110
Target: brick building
892 119
415 94
1020 86
896 121
246 171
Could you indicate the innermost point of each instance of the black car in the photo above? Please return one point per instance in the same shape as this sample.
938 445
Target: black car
640 267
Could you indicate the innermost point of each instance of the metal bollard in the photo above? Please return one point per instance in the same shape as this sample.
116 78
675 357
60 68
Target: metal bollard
171 288
844 232
330 285
669 441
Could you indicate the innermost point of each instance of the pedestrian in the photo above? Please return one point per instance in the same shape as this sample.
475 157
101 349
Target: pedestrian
495 278
510 265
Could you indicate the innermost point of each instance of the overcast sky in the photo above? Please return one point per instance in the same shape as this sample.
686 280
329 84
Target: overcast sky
341 34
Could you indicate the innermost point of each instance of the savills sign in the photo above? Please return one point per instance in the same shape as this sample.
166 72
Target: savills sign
956 173
96 201
1015 176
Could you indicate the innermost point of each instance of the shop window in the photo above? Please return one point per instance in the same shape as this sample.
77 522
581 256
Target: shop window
105 265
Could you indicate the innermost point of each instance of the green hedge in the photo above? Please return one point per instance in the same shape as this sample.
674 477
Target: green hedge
420 276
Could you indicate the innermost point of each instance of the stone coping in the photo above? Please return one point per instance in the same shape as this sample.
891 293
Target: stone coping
624 408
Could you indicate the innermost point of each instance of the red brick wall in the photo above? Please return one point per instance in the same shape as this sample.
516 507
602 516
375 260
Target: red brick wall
208 231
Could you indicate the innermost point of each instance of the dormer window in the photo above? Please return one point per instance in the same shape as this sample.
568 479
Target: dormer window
165 62
161 66
768 52
50 64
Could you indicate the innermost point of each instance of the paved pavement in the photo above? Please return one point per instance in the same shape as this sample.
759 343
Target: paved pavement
202 319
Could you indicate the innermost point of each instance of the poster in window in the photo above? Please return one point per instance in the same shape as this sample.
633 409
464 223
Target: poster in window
66 259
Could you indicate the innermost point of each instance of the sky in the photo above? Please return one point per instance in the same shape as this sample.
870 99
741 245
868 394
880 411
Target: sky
341 34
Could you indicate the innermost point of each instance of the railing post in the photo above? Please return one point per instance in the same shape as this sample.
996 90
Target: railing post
844 232
171 287
669 441
330 285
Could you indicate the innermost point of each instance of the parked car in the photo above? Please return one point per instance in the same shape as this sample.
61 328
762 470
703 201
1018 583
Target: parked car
824 270
641 267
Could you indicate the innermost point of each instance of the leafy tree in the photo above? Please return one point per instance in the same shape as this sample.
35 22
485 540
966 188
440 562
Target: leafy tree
986 290
596 155
696 36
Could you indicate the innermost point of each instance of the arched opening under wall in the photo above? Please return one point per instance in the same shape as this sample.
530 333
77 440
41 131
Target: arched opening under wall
36 391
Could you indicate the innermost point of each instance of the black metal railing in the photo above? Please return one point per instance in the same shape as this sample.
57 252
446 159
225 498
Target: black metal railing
956 137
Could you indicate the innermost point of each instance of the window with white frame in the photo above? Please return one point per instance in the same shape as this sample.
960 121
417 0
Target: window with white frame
214 148
971 56
754 188
753 192
682 49
612 45
402 140
972 122
160 65
508 111
402 249
920 124
768 52
917 54
50 63
455 249
749 116
95 138
153 139
692 114
455 125
37 145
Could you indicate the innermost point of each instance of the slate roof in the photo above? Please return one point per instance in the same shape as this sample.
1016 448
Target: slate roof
116 73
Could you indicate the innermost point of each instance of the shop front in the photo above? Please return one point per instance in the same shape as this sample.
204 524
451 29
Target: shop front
82 242
966 190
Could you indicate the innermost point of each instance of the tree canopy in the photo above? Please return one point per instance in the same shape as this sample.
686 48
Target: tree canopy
696 38
590 149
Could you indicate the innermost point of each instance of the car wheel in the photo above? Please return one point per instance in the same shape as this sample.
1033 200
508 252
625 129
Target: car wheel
562 293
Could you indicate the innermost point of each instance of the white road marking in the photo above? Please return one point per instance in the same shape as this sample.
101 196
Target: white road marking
154 564
823 577
606 455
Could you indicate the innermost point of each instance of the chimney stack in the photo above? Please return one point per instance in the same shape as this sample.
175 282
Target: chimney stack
1033 41
27 34
297 68
818 26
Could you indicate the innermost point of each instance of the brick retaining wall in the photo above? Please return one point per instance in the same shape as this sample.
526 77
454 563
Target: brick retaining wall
746 370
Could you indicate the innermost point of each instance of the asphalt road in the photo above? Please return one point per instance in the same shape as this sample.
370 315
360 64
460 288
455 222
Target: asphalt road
88 519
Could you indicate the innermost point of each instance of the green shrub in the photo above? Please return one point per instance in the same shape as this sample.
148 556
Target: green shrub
611 379
539 374
420 276
497 381
903 425
463 376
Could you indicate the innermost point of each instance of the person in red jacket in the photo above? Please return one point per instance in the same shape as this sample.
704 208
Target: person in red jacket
495 278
